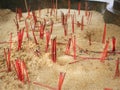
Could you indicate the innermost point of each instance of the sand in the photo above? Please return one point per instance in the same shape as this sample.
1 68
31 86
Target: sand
87 74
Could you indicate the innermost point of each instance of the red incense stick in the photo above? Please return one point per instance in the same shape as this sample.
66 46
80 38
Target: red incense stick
79 7
61 80
65 26
16 23
69 6
7 56
62 18
86 8
47 40
35 39
68 46
19 11
26 26
108 89
72 24
104 54
10 41
82 23
51 26
20 38
21 70
53 53
104 34
41 31
34 17
113 44
117 71
74 47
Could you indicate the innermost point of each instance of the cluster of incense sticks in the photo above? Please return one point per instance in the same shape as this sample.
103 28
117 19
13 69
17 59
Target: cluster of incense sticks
21 70
53 51
19 12
47 40
20 38
117 71
113 44
73 41
68 46
69 5
89 17
105 51
79 7
73 24
61 80
26 27
104 34
7 55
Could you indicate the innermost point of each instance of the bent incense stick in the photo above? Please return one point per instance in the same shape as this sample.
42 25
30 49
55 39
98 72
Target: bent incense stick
61 80
104 34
